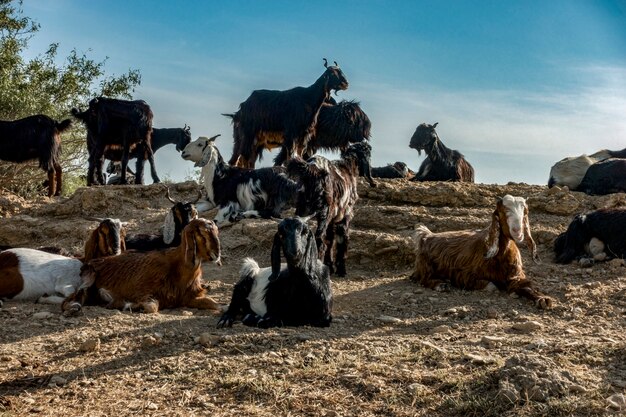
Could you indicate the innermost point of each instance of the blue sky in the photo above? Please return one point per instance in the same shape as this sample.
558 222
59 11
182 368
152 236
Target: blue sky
514 85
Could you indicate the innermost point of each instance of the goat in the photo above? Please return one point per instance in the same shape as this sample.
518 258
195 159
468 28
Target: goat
176 219
239 192
442 163
160 137
31 274
605 177
151 281
397 170
114 173
114 124
571 170
271 118
608 228
471 259
297 293
35 137
329 192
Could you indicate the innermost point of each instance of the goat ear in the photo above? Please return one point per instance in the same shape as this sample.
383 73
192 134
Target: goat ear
493 239
435 125
189 242
530 243
310 252
276 248
169 228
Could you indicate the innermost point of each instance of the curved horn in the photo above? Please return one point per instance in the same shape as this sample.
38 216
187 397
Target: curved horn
212 138
336 64
96 219
167 195
325 62
435 125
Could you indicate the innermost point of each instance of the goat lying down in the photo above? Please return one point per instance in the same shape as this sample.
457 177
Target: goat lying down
293 294
472 259
151 281
37 275
239 192
599 234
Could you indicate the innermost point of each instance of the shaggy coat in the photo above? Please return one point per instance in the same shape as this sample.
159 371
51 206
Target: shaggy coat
329 192
571 170
120 125
397 170
297 293
239 192
605 177
472 259
271 118
442 163
608 226
31 274
35 137
151 281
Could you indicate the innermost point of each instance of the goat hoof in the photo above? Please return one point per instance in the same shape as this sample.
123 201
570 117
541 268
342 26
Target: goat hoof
443 287
73 309
225 321
544 303
250 320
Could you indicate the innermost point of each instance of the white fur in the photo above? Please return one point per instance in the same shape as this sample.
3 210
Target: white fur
169 228
248 194
45 273
515 216
203 152
570 171
259 286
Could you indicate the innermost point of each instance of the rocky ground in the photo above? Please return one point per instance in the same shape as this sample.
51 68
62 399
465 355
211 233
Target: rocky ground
394 348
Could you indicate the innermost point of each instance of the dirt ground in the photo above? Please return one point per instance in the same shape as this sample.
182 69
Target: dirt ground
393 349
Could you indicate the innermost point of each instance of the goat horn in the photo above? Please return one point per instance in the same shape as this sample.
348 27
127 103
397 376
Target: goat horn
97 219
325 62
167 195
212 138
336 64
435 125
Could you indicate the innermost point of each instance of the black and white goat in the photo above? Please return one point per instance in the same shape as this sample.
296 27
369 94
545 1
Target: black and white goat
31 274
297 293
442 163
600 232
571 170
272 118
239 192
329 193
605 177
395 170
179 216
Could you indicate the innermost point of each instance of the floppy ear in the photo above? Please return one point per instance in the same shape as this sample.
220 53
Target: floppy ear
493 239
169 228
276 248
189 240
530 243
310 252
206 155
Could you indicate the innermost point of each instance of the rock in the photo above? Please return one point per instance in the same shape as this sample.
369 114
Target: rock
90 345
440 329
150 341
57 381
492 313
389 319
208 339
152 406
477 359
491 341
42 315
527 326
508 392
617 402
432 346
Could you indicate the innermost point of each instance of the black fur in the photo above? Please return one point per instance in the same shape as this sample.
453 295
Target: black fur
35 137
125 125
607 225
297 294
397 170
442 163
605 177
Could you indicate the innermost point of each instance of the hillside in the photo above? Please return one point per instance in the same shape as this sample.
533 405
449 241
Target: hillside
394 348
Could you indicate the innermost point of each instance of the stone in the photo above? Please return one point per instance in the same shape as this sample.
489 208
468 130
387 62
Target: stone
478 359
389 319
440 329
527 326
42 315
617 402
90 345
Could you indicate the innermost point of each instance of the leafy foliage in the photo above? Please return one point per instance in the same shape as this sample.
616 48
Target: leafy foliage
43 85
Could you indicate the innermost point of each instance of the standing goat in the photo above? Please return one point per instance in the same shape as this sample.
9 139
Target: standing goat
238 191
608 228
605 177
442 163
30 274
35 137
472 259
330 193
272 118
570 171
114 124
151 281
178 216
160 137
294 294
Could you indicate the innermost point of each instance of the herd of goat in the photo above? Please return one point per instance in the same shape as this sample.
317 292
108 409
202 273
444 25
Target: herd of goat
148 272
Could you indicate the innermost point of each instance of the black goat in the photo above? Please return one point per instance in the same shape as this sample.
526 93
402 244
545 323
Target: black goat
239 192
605 177
442 163
35 137
397 170
606 225
179 216
571 170
294 294
272 118
329 193
117 124
160 137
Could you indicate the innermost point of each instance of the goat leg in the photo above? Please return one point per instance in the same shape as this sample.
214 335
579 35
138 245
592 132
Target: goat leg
342 239
204 303
523 288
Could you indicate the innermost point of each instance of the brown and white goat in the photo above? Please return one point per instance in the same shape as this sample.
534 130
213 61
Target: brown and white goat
150 281
31 274
472 259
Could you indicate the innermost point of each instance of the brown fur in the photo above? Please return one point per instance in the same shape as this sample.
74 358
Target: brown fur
155 280
11 281
463 258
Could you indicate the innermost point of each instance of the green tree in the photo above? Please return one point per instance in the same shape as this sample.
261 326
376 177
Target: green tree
43 85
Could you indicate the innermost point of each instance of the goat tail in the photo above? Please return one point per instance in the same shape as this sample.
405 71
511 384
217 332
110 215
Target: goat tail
63 125
249 268
421 232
